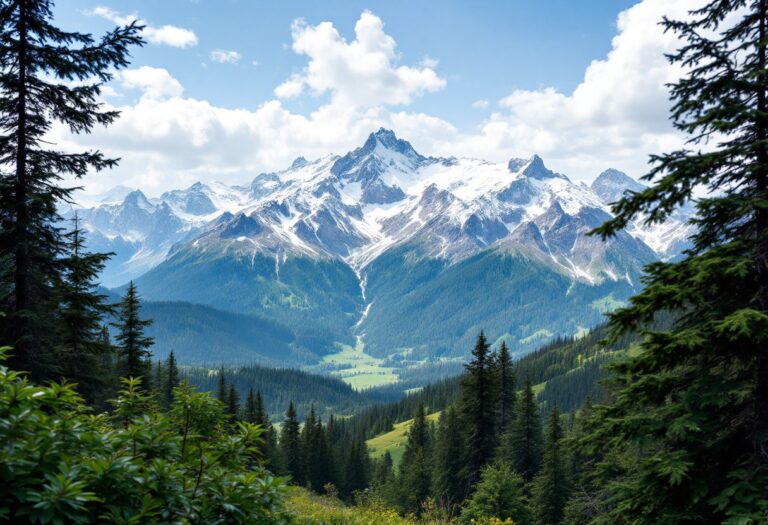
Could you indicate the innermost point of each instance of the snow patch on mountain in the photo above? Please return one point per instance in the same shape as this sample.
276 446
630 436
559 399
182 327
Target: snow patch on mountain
385 194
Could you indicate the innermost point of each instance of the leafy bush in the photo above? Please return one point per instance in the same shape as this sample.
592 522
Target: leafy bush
59 463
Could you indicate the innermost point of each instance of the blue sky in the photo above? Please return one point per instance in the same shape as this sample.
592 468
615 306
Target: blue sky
484 48
580 82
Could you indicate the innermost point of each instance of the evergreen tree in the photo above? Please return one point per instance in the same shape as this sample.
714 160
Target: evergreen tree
222 392
132 345
249 411
261 412
416 465
499 494
696 395
449 487
507 389
479 409
521 446
308 448
383 472
81 345
172 377
233 403
356 468
290 445
550 486
47 76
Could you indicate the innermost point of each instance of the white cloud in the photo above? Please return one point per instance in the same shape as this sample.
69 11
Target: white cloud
164 35
155 83
616 116
480 104
223 56
360 73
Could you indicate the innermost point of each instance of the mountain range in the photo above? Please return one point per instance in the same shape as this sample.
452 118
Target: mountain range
383 249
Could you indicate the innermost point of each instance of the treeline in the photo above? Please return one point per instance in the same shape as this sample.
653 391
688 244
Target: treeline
279 387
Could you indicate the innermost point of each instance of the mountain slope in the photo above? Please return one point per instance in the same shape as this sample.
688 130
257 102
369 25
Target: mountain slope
410 255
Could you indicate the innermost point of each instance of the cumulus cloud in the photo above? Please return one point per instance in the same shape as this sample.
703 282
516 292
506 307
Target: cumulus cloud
153 82
161 35
361 73
223 56
615 117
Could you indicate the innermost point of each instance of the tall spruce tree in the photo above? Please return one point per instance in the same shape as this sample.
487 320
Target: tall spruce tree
233 403
47 76
478 406
356 468
221 388
507 389
521 445
550 486
133 346
416 465
290 445
81 344
171 377
448 484
249 410
696 395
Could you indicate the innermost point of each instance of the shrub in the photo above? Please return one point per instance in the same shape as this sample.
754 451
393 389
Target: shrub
59 463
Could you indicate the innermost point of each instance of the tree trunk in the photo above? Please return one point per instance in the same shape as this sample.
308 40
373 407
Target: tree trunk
21 277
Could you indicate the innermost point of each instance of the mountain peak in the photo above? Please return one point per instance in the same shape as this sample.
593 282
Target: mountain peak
537 170
388 140
298 162
611 185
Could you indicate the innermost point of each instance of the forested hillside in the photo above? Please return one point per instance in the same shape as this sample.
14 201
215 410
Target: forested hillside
659 417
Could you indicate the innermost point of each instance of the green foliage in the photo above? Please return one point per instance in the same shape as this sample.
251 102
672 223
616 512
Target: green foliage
415 477
61 464
521 445
691 409
479 408
49 77
499 494
133 354
550 486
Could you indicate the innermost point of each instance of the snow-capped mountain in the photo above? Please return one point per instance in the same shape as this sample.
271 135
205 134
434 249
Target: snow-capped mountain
342 227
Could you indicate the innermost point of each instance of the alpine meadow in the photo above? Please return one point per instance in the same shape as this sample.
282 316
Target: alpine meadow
384 262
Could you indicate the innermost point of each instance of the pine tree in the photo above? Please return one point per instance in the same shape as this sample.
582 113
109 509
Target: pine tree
133 346
506 389
222 392
308 446
81 344
478 408
47 76
550 486
356 468
249 411
290 445
696 394
521 445
416 465
449 487
172 377
233 403
261 417
500 494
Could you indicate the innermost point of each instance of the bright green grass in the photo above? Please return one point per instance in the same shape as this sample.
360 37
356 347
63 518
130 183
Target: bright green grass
394 441
363 371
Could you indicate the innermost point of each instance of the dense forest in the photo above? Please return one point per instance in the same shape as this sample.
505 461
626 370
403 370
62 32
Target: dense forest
659 417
